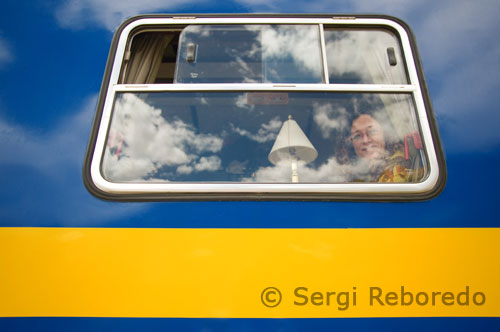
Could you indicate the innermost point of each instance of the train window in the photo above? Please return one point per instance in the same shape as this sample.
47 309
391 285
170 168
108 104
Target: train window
340 137
364 56
250 54
264 108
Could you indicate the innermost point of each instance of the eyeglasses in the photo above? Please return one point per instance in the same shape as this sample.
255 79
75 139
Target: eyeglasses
360 134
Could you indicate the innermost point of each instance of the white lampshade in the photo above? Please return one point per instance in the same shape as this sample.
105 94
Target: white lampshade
292 145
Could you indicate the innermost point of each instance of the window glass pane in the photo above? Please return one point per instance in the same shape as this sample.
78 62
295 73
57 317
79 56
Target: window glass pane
364 56
317 137
249 54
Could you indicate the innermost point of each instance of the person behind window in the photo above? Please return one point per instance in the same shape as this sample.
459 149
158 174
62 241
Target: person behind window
374 154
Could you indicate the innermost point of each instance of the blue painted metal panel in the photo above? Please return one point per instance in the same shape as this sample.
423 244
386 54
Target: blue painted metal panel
293 325
43 135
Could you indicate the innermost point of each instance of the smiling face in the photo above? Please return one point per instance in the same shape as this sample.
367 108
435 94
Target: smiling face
367 137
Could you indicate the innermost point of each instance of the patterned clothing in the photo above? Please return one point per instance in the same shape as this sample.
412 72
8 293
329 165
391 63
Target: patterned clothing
398 170
393 169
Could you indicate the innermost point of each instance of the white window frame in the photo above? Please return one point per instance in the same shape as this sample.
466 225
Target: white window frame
208 190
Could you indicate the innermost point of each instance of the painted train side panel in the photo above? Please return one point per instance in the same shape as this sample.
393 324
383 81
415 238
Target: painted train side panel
70 260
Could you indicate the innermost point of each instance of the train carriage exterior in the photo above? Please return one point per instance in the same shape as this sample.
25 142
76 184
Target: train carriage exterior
259 172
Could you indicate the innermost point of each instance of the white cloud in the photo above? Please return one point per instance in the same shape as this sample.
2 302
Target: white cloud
459 46
237 167
364 53
142 141
64 145
328 172
459 49
6 55
461 55
267 131
244 70
457 40
467 105
109 14
299 42
184 169
212 163
242 102
328 120
56 194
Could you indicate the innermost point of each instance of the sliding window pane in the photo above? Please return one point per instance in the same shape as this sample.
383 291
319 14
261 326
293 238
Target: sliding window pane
364 57
249 54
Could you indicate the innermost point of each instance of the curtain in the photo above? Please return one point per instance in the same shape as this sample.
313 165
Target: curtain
145 59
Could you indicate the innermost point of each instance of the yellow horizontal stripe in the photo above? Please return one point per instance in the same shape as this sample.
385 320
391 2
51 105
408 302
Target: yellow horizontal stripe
222 272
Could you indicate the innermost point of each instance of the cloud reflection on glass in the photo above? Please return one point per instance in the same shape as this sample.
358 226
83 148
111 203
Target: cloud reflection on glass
364 56
147 142
249 54
210 137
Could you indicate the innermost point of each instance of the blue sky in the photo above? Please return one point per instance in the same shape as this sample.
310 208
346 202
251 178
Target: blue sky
53 54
